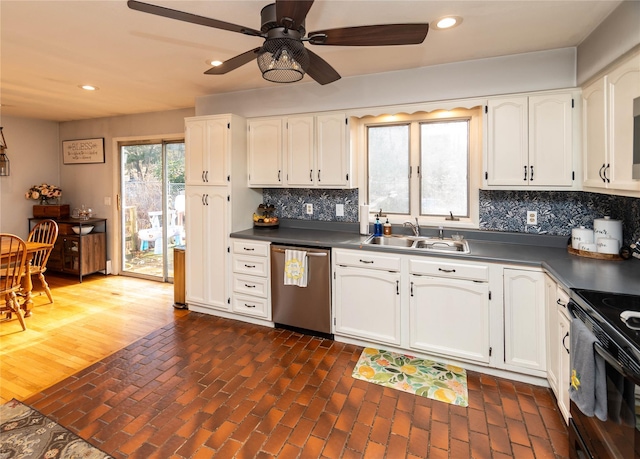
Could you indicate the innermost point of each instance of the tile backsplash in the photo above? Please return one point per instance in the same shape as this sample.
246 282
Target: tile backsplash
558 211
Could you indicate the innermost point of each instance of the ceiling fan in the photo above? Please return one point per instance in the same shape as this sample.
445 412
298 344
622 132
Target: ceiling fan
283 58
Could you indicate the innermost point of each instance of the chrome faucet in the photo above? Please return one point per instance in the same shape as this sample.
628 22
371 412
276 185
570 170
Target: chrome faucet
440 232
415 228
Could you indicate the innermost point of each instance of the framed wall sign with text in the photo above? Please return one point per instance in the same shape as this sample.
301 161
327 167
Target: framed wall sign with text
85 151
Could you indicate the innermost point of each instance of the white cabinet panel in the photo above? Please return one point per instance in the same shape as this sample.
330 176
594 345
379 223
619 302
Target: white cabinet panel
450 317
301 167
367 304
265 152
206 247
608 127
530 141
207 144
524 316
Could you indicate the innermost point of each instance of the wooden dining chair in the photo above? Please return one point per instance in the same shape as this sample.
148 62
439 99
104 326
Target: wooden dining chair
13 255
45 232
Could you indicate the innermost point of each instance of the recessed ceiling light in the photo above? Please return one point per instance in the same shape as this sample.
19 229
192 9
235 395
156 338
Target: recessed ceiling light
215 63
448 22
88 87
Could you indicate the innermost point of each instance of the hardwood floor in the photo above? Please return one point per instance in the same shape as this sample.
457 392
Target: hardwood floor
86 323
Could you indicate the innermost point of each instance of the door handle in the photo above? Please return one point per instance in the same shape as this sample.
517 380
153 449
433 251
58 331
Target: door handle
600 173
531 177
605 174
564 345
525 174
318 175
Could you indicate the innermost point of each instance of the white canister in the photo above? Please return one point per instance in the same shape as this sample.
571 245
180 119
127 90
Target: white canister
588 246
579 235
606 227
608 245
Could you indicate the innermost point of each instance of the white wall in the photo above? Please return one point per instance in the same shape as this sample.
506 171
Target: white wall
34 155
536 71
615 36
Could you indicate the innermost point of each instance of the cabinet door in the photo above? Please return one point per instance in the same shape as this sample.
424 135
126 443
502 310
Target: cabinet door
332 153
367 304
207 267
551 140
524 320
553 349
301 169
195 147
206 145
564 377
450 317
508 144
265 152
593 134
217 147
623 86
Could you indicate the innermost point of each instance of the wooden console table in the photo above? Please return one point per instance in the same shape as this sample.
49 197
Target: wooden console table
78 254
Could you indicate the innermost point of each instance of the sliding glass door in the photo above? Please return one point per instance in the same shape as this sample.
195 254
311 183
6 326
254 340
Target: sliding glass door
151 207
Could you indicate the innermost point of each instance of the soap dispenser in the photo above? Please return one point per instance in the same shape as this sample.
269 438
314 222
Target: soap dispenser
387 228
377 227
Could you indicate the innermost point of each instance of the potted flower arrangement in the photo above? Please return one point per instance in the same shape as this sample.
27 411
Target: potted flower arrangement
44 193
48 197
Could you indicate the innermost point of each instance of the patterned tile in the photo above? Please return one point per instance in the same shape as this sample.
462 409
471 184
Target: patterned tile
558 211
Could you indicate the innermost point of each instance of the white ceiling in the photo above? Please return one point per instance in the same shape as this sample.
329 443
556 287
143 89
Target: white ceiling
145 63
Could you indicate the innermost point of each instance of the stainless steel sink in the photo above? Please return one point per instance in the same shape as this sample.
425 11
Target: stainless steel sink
442 245
432 244
395 241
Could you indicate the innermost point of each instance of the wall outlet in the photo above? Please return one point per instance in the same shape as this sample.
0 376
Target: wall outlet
339 210
532 217
308 208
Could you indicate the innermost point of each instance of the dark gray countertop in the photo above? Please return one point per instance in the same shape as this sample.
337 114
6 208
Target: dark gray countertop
548 252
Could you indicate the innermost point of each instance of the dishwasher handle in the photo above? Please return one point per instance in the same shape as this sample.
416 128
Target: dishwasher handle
309 254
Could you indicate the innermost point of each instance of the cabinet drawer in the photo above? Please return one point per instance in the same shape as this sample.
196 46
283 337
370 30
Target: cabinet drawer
443 268
251 285
367 260
256 249
251 306
256 266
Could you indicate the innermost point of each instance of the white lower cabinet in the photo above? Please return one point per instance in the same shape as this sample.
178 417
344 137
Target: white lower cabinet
450 317
524 321
206 282
564 377
250 280
552 324
367 297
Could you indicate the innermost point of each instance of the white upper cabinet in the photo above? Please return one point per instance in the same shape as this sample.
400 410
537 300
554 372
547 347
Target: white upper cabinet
301 149
608 127
315 148
265 152
207 144
333 159
530 142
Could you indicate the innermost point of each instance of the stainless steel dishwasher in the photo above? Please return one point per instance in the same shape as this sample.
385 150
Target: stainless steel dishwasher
305 309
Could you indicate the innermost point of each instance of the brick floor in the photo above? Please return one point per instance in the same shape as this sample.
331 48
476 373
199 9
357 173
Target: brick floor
206 387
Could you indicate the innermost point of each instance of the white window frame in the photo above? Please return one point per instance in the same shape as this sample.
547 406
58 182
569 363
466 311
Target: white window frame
474 116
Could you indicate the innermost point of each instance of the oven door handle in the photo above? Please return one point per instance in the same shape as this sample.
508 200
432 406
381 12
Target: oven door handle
634 377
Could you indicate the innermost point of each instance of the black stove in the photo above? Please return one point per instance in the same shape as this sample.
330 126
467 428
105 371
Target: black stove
601 311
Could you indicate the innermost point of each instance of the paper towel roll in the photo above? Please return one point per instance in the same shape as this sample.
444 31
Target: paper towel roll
364 219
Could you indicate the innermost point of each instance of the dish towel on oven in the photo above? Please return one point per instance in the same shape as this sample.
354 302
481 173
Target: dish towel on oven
588 389
295 267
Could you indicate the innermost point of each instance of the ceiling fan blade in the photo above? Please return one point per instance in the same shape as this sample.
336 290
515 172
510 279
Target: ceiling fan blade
294 10
320 70
373 35
234 62
188 17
